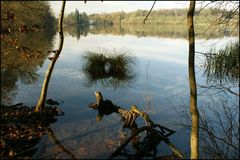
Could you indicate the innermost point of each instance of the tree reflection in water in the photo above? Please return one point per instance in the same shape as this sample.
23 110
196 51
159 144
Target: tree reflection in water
219 120
23 52
109 69
77 30
145 30
53 137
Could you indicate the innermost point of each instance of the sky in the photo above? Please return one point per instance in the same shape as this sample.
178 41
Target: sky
114 6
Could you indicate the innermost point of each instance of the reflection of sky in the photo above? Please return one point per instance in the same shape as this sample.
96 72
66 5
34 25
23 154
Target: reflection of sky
162 75
150 48
163 63
203 45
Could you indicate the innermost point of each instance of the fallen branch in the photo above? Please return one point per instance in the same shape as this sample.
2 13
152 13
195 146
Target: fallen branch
171 146
106 107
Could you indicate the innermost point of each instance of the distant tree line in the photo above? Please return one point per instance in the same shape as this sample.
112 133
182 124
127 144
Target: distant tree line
76 18
161 16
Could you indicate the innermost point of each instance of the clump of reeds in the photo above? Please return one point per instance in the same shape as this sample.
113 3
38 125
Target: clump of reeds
223 66
113 68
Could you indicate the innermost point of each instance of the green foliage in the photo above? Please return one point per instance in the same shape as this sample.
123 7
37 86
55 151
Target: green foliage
75 18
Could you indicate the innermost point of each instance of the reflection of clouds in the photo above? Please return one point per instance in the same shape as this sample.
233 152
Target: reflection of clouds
176 89
169 50
139 46
179 87
69 73
205 46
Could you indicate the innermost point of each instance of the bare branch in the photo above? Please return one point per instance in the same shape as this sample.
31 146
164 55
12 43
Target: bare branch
171 146
201 8
221 87
149 12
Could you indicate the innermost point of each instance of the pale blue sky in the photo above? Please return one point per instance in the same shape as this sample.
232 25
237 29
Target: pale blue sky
113 6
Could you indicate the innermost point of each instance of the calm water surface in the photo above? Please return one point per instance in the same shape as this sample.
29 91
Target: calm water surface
161 75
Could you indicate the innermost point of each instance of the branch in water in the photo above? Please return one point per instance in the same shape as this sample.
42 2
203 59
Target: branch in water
107 107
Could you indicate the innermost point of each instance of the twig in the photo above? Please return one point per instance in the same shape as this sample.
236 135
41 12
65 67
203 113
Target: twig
162 128
219 138
221 88
202 7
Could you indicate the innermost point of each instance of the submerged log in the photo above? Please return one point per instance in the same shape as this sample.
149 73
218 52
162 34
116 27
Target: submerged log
160 133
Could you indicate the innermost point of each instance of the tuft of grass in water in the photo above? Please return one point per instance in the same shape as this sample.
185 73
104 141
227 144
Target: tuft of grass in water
113 68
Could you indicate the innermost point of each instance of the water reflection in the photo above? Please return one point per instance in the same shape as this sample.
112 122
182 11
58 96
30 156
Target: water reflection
112 69
20 59
51 135
140 30
223 67
23 47
166 74
167 31
77 30
219 127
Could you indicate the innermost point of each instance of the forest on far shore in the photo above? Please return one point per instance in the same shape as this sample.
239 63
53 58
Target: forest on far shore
161 16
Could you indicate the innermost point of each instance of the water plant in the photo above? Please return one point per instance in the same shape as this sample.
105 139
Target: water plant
112 68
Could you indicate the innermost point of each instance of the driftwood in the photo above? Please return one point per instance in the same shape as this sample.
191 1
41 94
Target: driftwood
155 132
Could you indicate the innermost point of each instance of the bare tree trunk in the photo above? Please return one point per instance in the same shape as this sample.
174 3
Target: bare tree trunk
42 99
192 83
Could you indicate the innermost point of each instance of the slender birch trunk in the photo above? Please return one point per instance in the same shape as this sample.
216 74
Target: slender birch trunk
42 99
192 83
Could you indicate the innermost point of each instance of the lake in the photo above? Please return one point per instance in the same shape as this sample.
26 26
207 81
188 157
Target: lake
160 85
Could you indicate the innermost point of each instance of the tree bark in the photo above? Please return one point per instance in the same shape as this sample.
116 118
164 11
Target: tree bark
192 82
42 99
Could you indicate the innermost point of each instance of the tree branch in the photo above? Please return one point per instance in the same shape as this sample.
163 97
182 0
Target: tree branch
170 145
149 12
